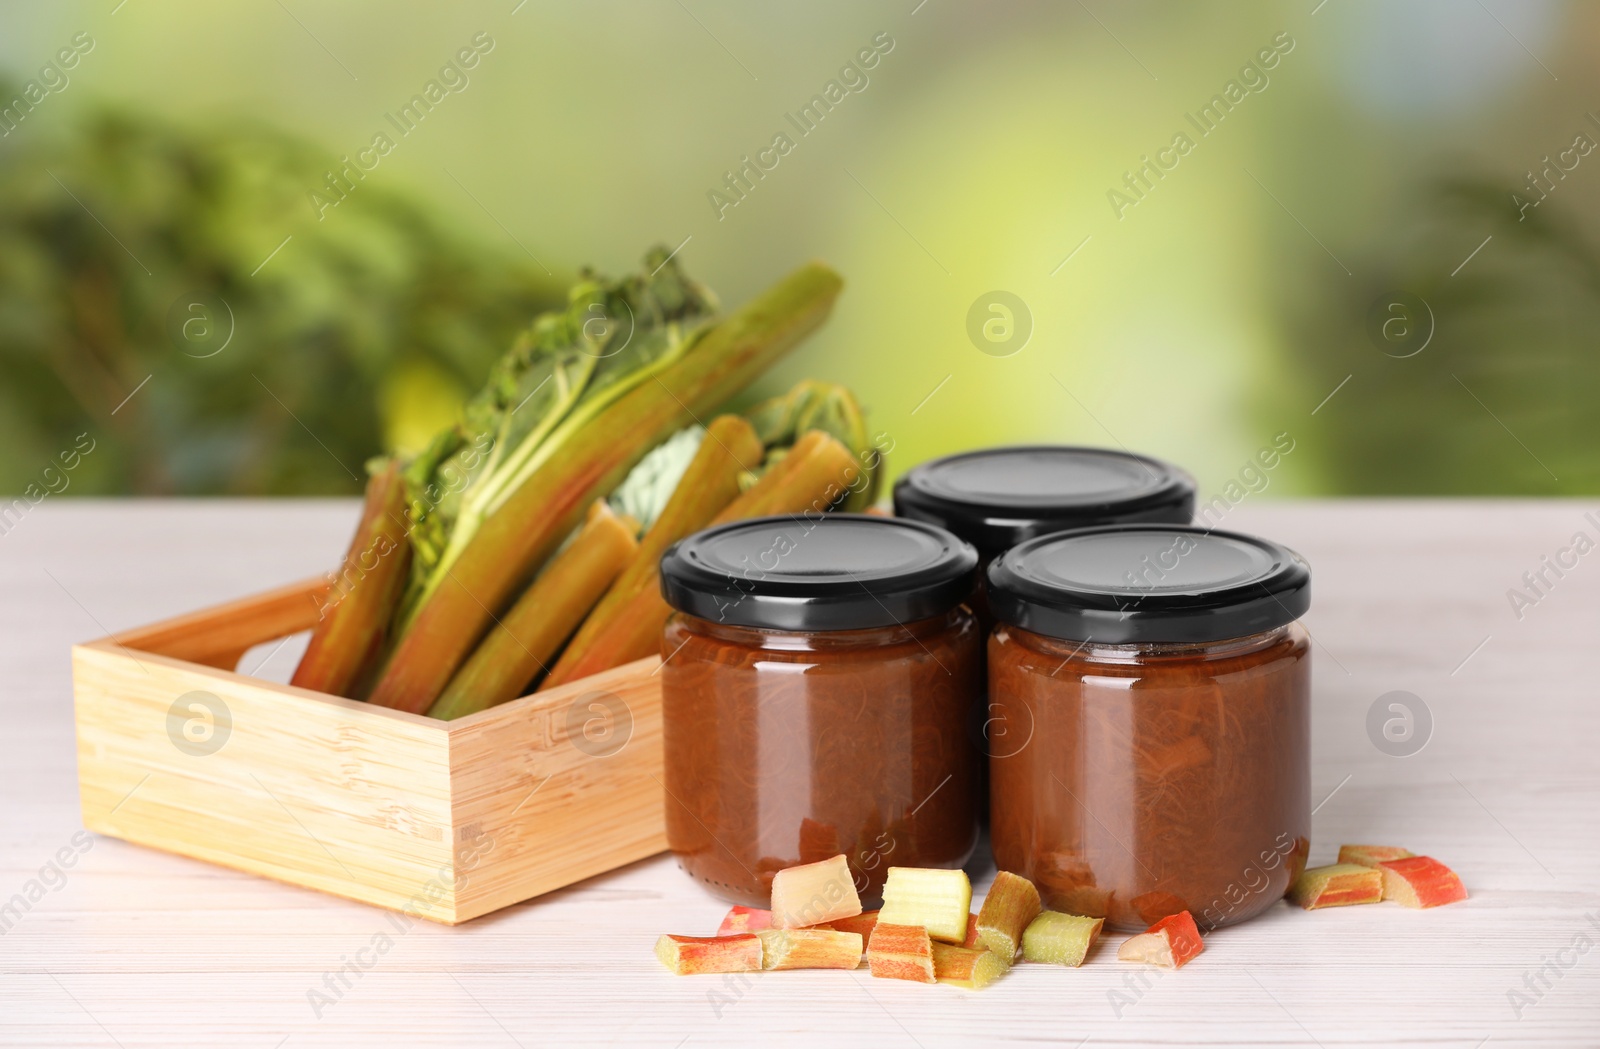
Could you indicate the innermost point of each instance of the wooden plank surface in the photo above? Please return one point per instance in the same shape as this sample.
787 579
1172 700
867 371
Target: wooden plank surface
135 948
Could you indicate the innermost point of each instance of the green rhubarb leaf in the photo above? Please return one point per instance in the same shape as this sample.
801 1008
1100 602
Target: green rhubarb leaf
563 371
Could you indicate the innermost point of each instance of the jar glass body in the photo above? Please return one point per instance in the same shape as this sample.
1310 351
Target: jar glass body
784 748
1135 781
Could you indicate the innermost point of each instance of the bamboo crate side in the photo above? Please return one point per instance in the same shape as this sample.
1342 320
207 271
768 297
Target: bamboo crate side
557 787
220 636
304 788
444 820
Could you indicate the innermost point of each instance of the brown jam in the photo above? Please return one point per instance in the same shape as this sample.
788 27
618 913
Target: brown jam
818 681
1158 778
1155 693
787 748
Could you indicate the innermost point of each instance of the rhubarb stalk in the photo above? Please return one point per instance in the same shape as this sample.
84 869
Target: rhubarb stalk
626 624
811 476
588 454
356 614
521 644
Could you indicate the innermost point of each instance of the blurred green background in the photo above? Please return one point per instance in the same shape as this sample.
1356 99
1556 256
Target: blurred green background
1344 257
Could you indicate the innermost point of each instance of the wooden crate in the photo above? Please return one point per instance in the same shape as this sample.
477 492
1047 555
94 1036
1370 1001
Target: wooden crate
443 820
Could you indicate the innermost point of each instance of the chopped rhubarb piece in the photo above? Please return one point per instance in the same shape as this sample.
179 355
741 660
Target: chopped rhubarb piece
809 949
972 968
1420 881
939 900
972 932
1371 855
814 894
1169 944
859 923
692 955
1060 939
744 919
901 952
1337 885
1011 904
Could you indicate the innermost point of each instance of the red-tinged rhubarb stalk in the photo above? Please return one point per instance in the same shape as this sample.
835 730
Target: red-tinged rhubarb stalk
810 478
809 949
356 614
1060 939
1011 904
814 894
744 919
901 952
1170 943
589 454
833 409
1372 855
972 933
1420 881
1337 885
860 923
520 645
937 899
967 967
694 955
626 624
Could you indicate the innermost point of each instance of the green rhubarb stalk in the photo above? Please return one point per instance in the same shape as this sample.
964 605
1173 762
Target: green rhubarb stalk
582 458
812 476
626 625
350 632
521 644
815 405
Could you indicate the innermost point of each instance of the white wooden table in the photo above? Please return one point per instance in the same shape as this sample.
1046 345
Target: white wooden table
137 948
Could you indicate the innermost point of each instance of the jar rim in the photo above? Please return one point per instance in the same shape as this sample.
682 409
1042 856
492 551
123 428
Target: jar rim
996 498
815 573
1123 584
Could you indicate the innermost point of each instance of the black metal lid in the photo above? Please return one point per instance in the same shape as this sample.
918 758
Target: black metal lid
996 498
829 572
1123 584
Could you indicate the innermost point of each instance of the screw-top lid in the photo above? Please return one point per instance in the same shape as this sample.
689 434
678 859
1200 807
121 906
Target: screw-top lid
831 572
998 497
1124 584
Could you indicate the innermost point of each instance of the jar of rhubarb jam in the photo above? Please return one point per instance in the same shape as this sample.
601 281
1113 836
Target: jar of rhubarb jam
995 498
1157 691
818 675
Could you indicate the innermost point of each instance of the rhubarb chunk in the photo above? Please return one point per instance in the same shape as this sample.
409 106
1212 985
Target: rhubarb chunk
972 932
1338 885
744 919
939 900
973 969
693 955
901 952
809 949
1420 881
814 894
860 923
1371 855
1060 939
1168 944
1011 904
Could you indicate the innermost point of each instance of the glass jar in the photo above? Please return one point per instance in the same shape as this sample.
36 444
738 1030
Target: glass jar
995 498
1157 691
817 681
